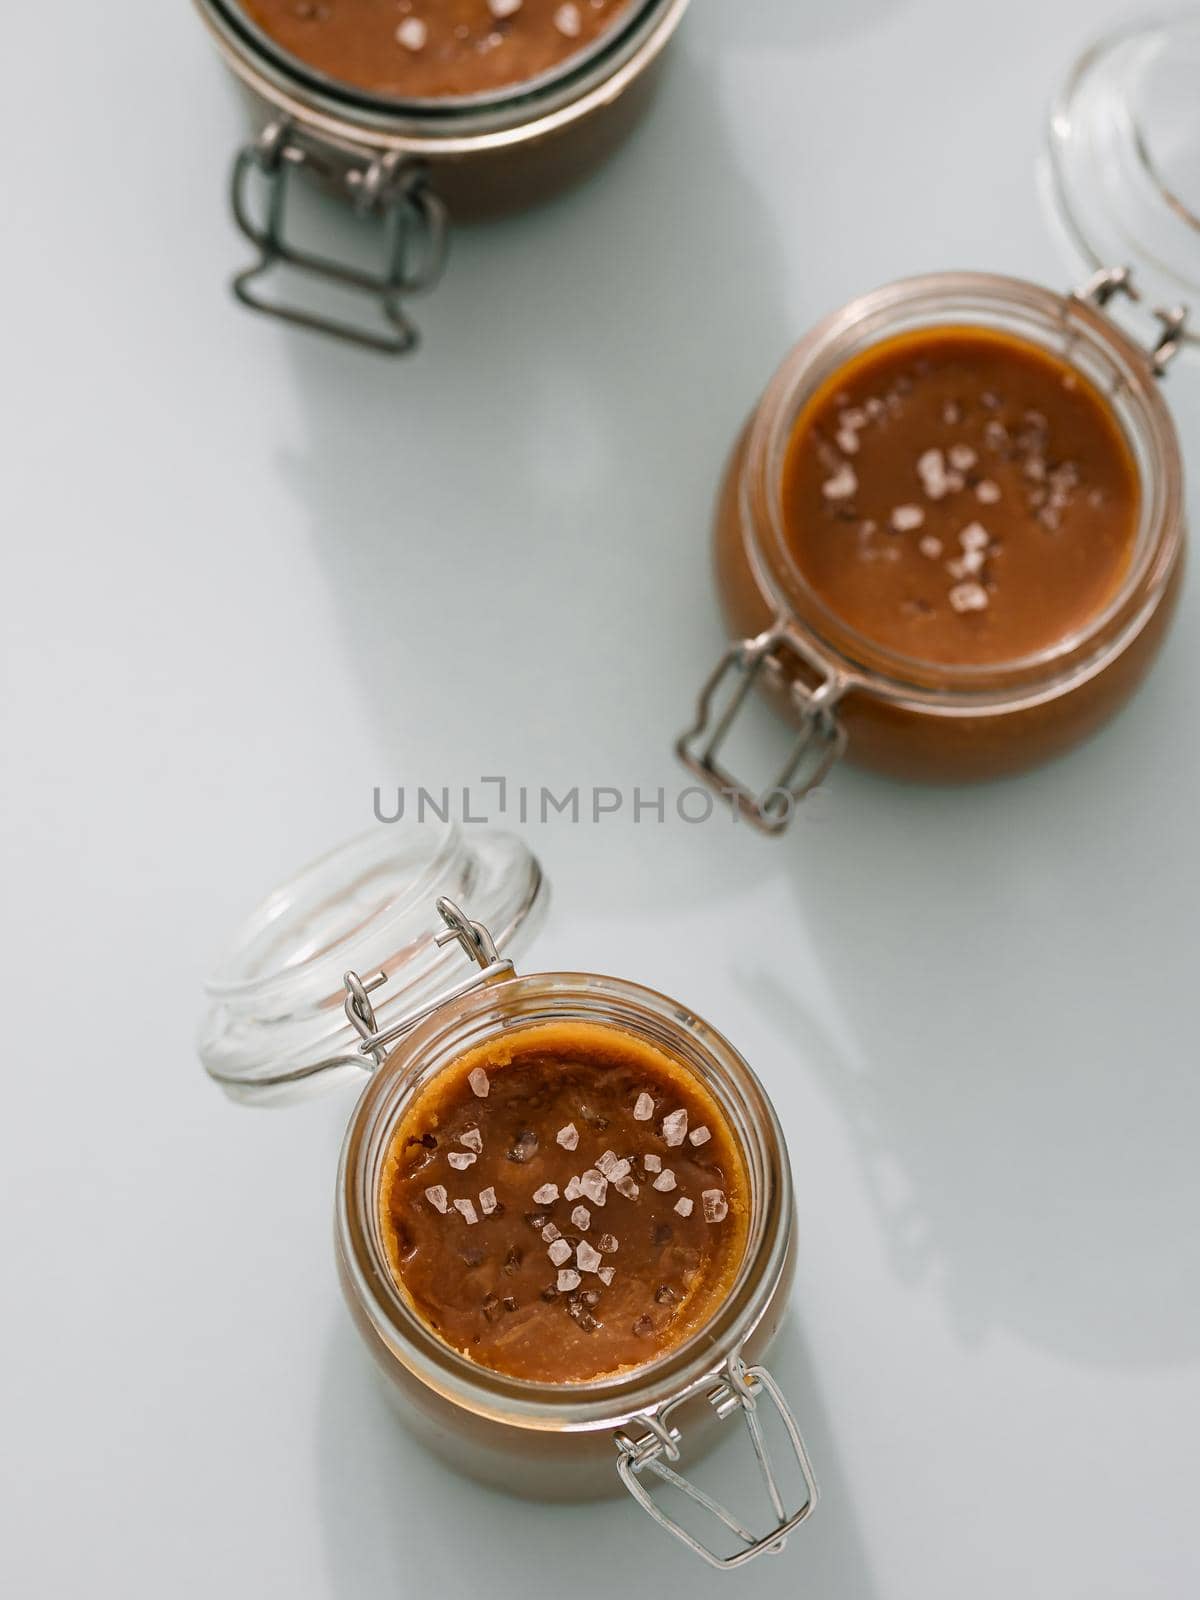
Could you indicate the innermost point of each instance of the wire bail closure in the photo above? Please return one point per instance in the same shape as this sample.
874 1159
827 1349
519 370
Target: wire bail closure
821 742
391 186
477 944
739 1389
1106 283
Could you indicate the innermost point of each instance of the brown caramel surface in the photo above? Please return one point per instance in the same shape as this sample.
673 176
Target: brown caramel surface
435 49
961 496
607 1272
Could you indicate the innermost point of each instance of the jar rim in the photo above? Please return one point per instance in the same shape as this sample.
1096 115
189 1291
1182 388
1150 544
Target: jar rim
518 1003
329 108
1026 310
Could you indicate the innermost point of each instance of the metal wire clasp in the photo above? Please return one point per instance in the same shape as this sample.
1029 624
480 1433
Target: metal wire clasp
1108 282
390 186
821 741
739 1390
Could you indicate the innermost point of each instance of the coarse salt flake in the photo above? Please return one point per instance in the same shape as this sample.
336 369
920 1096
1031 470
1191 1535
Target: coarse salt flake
974 537
573 1190
665 1181
606 1275
969 597
467 1208
716 1207
643 1108
652 1163
472 1138
595 1186
559 1252
606 1162
568 1279
568 1137
438 1198
587 1259
546 1195
684 1206
842 484
987 492
412 34
487 1201
618 1170
550 1233
930 546
608 1243
582 1218
627 1187
674 1127
906 518
478 1079
460 1160
568 21
699 1136
504 8
962 457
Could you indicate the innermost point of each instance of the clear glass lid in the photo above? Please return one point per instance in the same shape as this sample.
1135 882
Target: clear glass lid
1125 157
276 999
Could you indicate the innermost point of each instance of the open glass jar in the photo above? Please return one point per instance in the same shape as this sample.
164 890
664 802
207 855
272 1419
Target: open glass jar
413 163
938 719
276 1025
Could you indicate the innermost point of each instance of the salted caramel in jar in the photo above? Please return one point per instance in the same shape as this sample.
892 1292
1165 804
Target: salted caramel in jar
564 1217
950 538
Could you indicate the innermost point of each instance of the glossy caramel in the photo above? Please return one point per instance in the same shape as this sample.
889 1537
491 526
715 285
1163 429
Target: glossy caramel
961 496
435 49
494 1277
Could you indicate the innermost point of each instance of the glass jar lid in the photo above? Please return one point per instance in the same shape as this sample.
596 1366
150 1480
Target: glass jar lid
1124 147
277 1019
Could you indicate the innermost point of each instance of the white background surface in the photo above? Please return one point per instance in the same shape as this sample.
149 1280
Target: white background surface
249 575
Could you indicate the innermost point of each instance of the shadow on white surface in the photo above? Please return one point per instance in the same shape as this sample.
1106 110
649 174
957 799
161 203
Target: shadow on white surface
394 1517
1027 1138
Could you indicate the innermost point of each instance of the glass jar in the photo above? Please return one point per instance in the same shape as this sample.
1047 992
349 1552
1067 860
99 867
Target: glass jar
277 1024
413 164
910 718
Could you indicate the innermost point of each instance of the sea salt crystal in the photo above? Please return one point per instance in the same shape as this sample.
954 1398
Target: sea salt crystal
962 457
619 1170
487 1201
472 1138
930 546
504 8
606 1275
665 1181
438 1198
643 1108
627 1187
841 485
478 1079
906 518
582 1218
568 21
568 1137
412 33
854 417
568 1279
595 1186
716 1207
608 1243
987 492
969 597
684 1206
847 441
468 1211
546 1195
674 1127
573 1190
559 1252
974 537
699 1136
550 1233
606 1162
652 1163
587 1259
460 1160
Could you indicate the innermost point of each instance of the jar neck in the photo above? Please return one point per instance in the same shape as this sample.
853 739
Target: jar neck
478 1018
1076 333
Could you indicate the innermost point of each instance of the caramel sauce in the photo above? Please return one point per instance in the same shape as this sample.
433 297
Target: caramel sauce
961 496
435 49
564 1203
